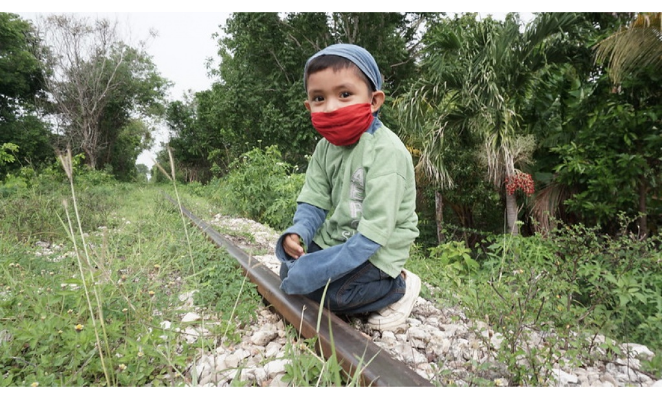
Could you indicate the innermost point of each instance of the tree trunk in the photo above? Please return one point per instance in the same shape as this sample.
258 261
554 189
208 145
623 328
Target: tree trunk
511 214
643 220
439 215
90 157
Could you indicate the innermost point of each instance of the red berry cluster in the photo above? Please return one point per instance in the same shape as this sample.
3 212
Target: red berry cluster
521 181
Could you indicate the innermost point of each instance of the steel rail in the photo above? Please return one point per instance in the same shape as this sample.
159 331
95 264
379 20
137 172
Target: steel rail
355 352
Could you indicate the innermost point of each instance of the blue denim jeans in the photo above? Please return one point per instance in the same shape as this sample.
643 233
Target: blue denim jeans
363 290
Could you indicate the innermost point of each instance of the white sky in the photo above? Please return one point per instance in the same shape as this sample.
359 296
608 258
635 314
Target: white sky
180 50
185 35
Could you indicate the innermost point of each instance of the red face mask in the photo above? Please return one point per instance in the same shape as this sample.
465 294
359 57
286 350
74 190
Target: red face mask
343 126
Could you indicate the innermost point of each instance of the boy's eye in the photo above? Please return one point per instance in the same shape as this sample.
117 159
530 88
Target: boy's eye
318 98
345 94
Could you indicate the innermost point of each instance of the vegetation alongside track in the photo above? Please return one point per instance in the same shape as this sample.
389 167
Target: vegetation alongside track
136 256
540 133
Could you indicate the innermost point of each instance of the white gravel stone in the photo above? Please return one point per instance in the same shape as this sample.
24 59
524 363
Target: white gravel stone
189 317
440 344
276 367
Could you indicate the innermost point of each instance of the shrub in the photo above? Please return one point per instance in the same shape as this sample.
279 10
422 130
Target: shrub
569 287
261 187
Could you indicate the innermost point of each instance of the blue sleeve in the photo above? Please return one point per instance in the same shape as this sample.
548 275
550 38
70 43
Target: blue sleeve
307 219
313 270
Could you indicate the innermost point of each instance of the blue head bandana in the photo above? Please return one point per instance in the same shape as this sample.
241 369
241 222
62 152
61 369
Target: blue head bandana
358 55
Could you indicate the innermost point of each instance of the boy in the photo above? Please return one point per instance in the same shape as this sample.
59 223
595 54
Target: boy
362 174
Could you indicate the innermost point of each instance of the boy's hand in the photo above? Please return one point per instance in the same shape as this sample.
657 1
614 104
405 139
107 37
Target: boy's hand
292 246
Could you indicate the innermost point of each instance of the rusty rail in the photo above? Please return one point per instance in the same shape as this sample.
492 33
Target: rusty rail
356 353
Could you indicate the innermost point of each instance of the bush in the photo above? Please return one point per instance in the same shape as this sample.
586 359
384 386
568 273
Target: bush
569 286
261 187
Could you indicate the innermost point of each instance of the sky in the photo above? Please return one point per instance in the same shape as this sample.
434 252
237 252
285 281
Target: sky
181 49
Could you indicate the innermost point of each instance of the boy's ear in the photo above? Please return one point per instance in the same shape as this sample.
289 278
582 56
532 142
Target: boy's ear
306 103
378 98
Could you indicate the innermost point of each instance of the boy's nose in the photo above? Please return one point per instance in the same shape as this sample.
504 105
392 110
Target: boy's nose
331 106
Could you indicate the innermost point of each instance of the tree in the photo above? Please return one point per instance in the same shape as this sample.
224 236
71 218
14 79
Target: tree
21 83
260 96
613 162
21 75
142 173
637 50
195 142
479 78
97 83
599 141
133 138
34 141
258 101
634 47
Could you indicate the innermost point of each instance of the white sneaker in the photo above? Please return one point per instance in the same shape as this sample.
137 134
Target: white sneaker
394 316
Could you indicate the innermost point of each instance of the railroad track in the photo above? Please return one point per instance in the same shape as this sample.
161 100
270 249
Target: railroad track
355 352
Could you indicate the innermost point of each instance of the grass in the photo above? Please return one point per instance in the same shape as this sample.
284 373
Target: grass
100 306
91 313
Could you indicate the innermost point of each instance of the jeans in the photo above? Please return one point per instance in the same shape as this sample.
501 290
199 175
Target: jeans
363 290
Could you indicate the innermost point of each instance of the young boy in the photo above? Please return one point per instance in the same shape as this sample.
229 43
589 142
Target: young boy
362 175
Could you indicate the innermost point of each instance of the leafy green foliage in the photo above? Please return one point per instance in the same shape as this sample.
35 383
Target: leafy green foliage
473 95
31 202
567 287
613 161
21 74
258 100
451 261
131 140
137 266
6 153
21 86
222 287
33 139
262 187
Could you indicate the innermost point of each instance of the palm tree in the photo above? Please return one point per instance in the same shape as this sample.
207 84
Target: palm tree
633 47
480 76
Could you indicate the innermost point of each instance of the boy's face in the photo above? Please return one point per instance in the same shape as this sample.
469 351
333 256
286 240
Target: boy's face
329 90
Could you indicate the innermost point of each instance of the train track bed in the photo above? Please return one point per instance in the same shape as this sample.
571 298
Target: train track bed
440 344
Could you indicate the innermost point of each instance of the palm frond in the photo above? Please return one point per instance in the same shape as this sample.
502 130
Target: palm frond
634 47
546 205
